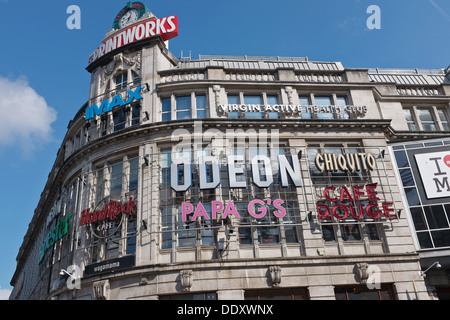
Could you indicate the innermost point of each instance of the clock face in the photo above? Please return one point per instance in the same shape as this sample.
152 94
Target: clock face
129 17
129 14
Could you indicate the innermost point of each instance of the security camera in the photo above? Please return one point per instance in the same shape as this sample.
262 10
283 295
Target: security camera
438 265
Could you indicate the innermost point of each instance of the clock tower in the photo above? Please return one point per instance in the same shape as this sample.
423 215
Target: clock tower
124 70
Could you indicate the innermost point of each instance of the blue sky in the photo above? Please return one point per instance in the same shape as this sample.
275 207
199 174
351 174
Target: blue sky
43 81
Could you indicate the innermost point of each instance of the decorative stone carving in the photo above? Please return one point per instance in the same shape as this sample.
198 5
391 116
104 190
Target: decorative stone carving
186 279
101 290
289 92
362 271
216 90
120 61
275 275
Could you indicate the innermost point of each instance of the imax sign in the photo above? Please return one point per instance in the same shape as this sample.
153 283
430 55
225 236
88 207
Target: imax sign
117 101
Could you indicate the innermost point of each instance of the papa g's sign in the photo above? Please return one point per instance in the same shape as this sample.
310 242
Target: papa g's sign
59 231
117 101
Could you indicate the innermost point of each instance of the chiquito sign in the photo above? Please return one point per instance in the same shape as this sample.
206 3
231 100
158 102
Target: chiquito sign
355 202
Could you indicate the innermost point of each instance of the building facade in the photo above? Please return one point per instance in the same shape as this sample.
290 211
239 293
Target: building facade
240 178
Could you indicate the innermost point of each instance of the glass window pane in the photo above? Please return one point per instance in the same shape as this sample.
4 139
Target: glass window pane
402 159
116 179
253 100
424 240
418 219
350 232
425 115
412 196
407 178
441 238
328 233
323 101
272 100
254 115
166 104
408 115
436 217
304 101
183 103
372 232
341 101
133 180
233 99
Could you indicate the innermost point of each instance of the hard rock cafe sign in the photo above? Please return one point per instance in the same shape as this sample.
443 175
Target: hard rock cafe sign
107 216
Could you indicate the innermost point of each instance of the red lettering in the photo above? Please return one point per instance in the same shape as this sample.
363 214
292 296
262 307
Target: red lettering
386 209
322 214
370 188
357 193
325 193
344 208
375 213
111 211
345 194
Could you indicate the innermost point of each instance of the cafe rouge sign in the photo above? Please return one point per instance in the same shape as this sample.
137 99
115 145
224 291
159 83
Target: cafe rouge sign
353 202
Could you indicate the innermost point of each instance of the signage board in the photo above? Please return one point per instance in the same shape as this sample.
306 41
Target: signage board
292 109
110 265
434 169
166 27
108 105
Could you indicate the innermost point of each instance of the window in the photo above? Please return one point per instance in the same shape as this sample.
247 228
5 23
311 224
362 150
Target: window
166 226
233 99
324 101
253 100
99 186
427 119
116 179
166 160
115 182
271 101
136 78
183 107
363 293
133 175
342 102
166 109
121 81
444 119
305 101
191 296
136 114
277 294
119 118
431 222
201 107
410 120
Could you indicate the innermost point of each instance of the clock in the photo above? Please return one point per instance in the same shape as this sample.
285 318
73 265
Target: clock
128 18
132 12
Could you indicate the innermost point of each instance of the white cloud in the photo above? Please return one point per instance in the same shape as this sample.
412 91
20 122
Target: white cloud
25 118
4 294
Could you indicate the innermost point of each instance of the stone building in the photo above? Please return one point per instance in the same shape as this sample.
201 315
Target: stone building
234 178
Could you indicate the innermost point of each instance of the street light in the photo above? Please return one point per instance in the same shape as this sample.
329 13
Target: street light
437 264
